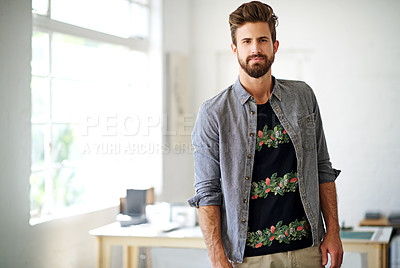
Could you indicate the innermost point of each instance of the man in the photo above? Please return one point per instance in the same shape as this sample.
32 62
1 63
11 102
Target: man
262 168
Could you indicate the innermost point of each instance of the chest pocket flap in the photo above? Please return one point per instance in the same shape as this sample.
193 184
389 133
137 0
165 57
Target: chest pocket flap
307 132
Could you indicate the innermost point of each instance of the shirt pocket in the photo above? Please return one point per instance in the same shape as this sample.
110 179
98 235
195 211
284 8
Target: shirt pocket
307 132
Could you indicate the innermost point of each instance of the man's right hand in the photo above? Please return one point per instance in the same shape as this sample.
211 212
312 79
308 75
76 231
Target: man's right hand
210 224
218 258
223 264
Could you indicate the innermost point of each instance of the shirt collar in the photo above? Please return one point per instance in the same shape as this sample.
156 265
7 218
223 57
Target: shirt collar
244 96
276 90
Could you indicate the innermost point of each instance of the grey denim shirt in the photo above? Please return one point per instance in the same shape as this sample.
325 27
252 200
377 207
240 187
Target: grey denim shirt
224 138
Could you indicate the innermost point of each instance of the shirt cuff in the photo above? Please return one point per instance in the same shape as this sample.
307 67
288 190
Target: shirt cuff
206 199
329 176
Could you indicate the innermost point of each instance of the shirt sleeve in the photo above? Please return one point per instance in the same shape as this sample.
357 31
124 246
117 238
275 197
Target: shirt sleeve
205 139
325 171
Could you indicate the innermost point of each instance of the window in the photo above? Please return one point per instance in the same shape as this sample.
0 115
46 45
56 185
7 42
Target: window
96 112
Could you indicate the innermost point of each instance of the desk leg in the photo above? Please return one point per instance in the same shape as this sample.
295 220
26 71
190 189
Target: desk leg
104 249
133 257
375 257
100 252
385 256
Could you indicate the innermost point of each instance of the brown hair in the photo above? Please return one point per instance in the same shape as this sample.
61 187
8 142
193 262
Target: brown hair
254 11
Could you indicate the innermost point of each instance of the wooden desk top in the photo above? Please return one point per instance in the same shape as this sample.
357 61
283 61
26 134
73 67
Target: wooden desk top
148 235
145 230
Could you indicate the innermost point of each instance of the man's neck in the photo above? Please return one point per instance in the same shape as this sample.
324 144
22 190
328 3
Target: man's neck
259 88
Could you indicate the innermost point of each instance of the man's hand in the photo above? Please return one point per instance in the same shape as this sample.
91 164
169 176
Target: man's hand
210 224
221 263
332 245
226 264
217 256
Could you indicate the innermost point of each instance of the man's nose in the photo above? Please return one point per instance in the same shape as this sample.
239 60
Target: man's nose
255 49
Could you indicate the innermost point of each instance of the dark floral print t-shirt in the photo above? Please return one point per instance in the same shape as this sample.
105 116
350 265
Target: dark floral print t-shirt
277 221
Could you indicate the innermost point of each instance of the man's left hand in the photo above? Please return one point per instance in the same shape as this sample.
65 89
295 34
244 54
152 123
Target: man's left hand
332 245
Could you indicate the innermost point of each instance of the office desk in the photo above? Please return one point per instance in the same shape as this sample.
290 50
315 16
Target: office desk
376 247
144 235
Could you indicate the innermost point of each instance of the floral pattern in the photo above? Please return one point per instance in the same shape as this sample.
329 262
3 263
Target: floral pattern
283 233
271 137
275 184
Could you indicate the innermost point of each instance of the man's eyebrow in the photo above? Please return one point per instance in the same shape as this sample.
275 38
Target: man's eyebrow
258 38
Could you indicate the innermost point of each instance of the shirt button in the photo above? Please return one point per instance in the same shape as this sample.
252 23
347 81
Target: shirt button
245 201
243 220
251 112
249 156
251 134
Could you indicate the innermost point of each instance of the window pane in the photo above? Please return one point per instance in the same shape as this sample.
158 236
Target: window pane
143 2
140 21
40 88
40 53
40 6
68 190
65 148
68 100
37 195
38 146
74 101
110 16
84 59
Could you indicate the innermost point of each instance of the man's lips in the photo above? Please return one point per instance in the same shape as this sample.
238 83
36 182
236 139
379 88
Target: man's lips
256 59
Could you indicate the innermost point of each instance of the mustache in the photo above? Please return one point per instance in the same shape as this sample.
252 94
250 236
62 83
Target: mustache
256 56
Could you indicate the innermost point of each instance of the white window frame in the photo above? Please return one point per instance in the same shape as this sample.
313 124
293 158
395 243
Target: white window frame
151 46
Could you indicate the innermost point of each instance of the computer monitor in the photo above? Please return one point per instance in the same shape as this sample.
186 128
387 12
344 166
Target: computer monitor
135 202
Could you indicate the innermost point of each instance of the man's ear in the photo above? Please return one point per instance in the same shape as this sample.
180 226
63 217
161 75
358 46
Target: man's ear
234 49
276 45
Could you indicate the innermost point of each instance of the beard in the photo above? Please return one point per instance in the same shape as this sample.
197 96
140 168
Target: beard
258 69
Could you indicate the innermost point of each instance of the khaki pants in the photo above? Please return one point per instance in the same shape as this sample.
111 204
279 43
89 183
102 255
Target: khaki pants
308 257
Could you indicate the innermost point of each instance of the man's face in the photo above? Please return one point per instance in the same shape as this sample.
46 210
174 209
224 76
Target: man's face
255 50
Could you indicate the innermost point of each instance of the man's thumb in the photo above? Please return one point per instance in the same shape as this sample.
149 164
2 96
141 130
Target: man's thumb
324 256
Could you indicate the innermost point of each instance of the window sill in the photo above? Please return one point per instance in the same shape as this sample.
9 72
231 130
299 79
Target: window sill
68 213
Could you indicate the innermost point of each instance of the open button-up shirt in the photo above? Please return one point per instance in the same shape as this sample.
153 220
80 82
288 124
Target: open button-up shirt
224 139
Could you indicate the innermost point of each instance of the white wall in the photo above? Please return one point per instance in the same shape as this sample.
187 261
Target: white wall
61 243
351 60
178 164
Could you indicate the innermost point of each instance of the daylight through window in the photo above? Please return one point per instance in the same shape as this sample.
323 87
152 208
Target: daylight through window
93 133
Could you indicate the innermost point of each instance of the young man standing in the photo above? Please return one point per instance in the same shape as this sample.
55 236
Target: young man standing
262 169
